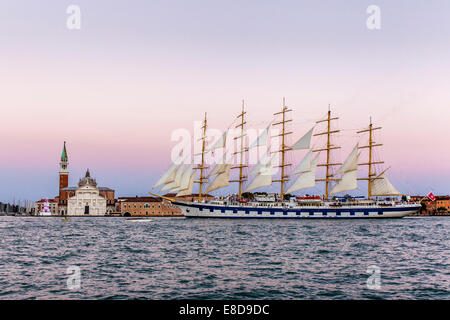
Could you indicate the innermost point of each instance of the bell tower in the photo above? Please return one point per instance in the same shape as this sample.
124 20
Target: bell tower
63 170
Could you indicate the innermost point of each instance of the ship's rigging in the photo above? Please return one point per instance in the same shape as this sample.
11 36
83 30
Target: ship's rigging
180 178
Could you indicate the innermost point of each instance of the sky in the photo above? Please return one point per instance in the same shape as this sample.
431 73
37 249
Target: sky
136 71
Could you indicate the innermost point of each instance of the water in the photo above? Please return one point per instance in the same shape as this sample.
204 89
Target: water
175 258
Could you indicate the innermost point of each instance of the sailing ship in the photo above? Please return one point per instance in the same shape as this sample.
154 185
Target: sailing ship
383 199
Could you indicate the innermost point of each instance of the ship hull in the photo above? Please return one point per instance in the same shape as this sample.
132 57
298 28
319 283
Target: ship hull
205 210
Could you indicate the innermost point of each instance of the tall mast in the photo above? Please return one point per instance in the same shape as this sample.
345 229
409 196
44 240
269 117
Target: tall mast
202 179
328 148
284 148
370 163
241 165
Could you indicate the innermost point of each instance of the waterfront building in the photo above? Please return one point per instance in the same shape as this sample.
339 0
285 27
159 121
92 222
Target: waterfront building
151 206
440 206
53 206
146 206
443 202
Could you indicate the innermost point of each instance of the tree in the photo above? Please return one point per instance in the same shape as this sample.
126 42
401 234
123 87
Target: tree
423 209
288 196
248 195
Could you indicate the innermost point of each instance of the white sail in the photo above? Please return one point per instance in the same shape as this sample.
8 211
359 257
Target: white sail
168 186
264 177
220 167
259 181
304 142
186 178
306 179
383 187
214 170
167 177
217 169
351 163
222 180
223 168
346 183
304 165
262 139
176 180
220 143
262 162
188 190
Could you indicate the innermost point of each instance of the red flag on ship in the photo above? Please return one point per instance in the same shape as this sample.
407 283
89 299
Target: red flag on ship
431 196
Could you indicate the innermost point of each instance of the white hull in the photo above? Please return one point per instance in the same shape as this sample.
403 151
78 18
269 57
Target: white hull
45 214
205 210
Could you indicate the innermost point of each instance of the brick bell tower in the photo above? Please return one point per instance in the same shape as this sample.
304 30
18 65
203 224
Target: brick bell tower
63 170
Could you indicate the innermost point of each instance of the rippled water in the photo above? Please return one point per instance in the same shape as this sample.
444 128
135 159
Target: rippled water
175 258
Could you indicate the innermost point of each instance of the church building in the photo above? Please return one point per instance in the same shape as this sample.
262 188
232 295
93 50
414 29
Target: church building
87 199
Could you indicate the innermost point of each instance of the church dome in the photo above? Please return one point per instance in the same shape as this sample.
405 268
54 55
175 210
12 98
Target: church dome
87 180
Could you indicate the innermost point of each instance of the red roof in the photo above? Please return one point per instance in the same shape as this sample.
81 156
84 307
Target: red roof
309 198
49 200
139 199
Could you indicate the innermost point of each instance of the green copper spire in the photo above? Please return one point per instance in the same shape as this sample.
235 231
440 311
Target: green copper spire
64 153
